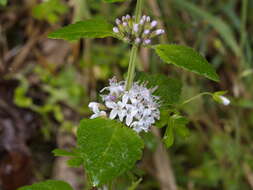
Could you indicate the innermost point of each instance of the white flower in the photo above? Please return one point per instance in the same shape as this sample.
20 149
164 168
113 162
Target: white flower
131 111
225 101
94 106
117 109
137 107
114 88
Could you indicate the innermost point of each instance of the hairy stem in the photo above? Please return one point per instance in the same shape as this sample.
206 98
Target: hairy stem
134 50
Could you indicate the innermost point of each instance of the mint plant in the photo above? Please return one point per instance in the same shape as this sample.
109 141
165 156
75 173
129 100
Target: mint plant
110 142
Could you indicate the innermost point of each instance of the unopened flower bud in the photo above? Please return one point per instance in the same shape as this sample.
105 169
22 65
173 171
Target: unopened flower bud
124 23
128 17
117 21
148 19
142 21
146 32
160 31
154 23
136 27
225 101
115 29
147 41
137 40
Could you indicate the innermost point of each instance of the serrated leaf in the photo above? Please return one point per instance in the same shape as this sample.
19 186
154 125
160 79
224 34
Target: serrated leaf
108 149
113 1
48 185
3 2
186 58
168 89
92 28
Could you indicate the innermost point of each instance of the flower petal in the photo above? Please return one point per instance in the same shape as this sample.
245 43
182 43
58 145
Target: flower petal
110 104
113 114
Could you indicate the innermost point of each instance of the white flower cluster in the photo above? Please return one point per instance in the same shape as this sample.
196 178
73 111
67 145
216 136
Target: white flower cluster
138 33
137 108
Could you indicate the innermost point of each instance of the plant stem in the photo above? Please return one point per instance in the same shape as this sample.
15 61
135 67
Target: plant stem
195 97
131 67
138 10
134 50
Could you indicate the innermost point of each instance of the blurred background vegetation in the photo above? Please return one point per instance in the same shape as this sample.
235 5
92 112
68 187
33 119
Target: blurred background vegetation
45 86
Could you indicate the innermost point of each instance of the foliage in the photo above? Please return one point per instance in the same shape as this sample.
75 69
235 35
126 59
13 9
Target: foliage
186 58
108 149
48 185
92 28
3 2
217 148
50 10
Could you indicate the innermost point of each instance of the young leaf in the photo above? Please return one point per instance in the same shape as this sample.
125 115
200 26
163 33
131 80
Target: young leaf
168 89
176 124
186 58
48 185
180 125
108 149
169 135
113 1
92 28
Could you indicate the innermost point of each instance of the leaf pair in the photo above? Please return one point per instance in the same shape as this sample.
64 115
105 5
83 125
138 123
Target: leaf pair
181 56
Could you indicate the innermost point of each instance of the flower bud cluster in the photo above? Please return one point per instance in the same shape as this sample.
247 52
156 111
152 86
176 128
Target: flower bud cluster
137 108
137 33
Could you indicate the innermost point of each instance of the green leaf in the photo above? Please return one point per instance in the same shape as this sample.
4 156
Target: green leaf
108 149
113 1
50 10
216 22
180 125
169 135
3 2
186 58
48 185
75 162
92 28
168 89
62 152
176 124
